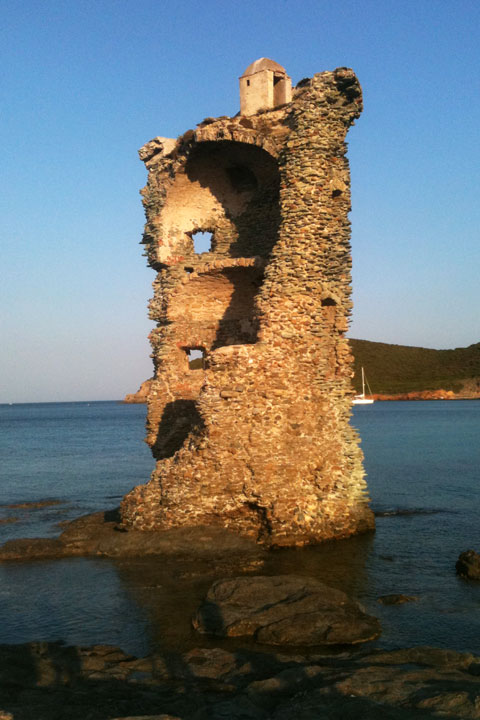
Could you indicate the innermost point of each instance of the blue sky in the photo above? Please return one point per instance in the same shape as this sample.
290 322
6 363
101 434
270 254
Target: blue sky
85 83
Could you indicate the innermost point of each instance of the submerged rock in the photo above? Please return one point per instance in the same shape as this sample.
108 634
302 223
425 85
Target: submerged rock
468 565
284 610
98 534
396 599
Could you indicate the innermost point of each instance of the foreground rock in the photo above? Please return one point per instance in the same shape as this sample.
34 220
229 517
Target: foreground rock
399 685
48 681
284 610
468 565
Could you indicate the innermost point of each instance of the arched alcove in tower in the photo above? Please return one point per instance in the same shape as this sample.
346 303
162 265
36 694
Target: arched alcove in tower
228 189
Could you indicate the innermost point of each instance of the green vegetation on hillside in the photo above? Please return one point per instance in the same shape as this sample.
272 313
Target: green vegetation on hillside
196 363
392 369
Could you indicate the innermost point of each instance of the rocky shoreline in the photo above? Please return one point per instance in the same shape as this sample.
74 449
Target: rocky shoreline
427 395
264 647
49 681
99 535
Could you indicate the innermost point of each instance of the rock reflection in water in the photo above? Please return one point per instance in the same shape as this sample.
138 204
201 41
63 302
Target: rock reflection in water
77 601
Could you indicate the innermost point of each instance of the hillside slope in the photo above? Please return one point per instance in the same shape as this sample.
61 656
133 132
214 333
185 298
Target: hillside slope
400 368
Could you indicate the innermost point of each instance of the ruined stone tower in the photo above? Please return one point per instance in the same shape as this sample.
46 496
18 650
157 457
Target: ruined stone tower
256 437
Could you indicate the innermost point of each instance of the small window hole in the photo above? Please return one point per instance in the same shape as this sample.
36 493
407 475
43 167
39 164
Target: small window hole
196 358
202 241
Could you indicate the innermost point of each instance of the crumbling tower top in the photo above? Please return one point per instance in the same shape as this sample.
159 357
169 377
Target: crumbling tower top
264 85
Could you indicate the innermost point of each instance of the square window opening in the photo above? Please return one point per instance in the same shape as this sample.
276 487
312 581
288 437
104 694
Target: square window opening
202 241
196 357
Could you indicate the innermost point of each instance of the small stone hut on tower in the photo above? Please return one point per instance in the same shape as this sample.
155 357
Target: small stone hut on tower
254 435
263 86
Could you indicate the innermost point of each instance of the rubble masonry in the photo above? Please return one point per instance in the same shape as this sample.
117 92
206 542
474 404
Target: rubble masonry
257 439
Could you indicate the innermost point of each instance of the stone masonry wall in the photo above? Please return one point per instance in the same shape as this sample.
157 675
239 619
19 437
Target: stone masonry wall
258 438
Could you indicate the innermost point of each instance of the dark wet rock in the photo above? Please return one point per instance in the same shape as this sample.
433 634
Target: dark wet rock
25 509
32 504
398 685
396 599
236 669
269 692
416 689
284 610
98 534
26 548
407 512
236 708
50 681
423 655
468 565
148 717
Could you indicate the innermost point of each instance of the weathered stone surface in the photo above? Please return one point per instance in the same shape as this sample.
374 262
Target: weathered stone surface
141 396
284 610
468 565
399 685
268 693
267 307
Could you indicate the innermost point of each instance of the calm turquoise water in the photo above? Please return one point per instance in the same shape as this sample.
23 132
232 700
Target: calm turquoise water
422 460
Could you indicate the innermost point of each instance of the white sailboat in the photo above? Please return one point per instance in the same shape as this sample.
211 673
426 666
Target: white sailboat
362 399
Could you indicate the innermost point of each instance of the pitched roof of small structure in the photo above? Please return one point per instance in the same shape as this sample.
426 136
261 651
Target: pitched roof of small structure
264 64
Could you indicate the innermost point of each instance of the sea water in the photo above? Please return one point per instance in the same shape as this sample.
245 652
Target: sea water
422 461
82 457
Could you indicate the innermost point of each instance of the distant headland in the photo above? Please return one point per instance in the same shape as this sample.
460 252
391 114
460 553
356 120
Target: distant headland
401 372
